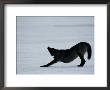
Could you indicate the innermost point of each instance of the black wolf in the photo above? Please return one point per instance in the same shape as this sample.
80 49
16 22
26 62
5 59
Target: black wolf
69 55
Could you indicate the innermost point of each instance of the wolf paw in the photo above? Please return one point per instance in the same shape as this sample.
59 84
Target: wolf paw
80 65
44 66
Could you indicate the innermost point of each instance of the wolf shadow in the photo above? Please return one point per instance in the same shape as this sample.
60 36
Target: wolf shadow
68 55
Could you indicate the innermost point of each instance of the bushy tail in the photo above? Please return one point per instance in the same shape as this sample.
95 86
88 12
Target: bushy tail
89 50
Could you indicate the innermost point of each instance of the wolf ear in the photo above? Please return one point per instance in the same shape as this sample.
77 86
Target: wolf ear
48 47
51 50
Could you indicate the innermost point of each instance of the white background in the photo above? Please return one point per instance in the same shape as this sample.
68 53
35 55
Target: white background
100 31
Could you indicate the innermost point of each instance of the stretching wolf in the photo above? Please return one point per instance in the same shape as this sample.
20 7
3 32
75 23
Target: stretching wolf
69 55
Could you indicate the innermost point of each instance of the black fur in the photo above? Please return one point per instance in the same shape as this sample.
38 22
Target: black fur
69 55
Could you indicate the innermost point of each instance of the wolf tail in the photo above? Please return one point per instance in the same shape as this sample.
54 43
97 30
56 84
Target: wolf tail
89 50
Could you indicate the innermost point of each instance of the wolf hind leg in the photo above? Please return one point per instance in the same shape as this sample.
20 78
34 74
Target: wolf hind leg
82 60
52 62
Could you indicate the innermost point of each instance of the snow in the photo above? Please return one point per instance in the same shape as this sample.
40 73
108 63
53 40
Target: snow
35 34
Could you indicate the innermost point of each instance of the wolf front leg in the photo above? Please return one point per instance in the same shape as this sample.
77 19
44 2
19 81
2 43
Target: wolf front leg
52 62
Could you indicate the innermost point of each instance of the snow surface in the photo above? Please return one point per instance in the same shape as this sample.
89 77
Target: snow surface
35 34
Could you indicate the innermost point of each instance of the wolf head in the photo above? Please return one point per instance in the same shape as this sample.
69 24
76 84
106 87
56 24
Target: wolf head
52 51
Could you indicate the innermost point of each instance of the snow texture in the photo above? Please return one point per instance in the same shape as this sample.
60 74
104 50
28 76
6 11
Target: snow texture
35 34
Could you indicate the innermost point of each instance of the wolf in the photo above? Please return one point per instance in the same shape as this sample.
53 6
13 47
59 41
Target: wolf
68 55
